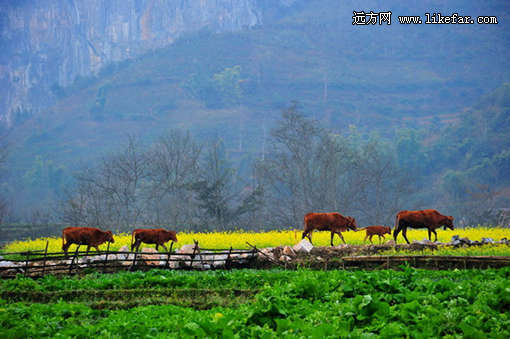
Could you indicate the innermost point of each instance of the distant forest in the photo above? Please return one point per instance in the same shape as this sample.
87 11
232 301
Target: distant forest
177 180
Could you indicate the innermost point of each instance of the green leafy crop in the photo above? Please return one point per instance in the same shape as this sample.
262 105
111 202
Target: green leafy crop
262 304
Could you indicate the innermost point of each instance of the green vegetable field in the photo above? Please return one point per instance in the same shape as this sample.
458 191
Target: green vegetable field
265 304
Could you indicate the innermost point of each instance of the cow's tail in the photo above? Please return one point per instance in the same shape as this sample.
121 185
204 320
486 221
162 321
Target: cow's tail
304 226
63 241
132 235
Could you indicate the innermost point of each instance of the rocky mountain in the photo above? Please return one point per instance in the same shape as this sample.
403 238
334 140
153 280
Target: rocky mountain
47 44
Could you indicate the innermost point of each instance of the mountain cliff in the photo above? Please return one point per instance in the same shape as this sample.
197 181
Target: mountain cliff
46 45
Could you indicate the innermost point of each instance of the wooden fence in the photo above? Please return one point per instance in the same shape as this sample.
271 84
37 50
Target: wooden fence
40 263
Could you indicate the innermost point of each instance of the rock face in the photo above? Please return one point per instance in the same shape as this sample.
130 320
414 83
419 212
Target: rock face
48 44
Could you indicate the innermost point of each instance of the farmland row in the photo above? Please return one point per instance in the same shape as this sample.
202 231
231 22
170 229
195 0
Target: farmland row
271 303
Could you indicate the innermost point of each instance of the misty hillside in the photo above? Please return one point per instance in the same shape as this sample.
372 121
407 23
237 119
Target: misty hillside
445 81
373 77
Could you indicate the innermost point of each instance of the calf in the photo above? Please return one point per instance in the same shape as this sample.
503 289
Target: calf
380 231
89 236
152 236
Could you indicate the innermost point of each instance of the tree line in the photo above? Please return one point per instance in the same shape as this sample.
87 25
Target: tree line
190 185
304 167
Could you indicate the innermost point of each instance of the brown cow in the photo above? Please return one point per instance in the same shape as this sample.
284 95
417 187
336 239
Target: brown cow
89 236
333 222
380 231
152 236
430 219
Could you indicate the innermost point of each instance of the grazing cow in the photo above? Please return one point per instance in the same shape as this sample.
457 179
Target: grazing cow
430 219
333 222
89 236
152 236
380 231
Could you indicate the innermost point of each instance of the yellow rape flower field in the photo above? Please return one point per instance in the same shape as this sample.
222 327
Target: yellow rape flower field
239 239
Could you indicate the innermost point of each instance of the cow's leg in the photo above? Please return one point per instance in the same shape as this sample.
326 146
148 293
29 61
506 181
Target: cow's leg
88 248
166 249
97 248
404 234
366 237
370 238
396 232
157 247
65 247
435 234
332 235
429 234
380 238
136 245
341 237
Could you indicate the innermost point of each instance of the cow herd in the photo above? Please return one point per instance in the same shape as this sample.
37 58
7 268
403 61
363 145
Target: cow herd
333 222
93 237
337 223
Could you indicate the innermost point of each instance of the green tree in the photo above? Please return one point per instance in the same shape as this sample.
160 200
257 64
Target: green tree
218 191
227 82
45 176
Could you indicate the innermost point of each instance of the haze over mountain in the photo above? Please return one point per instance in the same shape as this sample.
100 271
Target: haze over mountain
76 77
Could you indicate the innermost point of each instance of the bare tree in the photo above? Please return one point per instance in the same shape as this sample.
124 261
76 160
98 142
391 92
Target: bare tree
382 186
113 192
86 204
305 170
480 205
292 165
172 182
310 169
219 193
173 168
122 181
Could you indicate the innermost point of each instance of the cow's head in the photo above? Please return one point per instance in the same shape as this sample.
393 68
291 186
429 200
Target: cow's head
172 236
351 224
109 236
448 223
